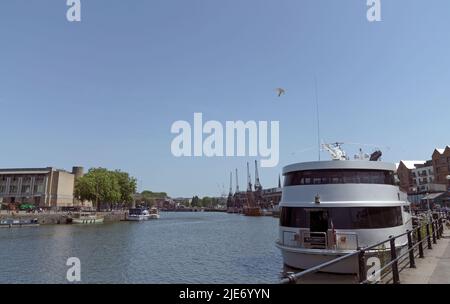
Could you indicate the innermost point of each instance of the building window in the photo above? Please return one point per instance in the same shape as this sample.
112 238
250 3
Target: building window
38 188
26 189
13 189
2 189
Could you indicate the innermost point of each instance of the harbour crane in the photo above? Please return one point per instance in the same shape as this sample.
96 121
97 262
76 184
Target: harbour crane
258 186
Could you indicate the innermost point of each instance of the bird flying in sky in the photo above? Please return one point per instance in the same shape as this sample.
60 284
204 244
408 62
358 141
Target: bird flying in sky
280 91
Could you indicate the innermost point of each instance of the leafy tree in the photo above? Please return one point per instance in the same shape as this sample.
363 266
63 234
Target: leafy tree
127 186
102 186
206 201
195 201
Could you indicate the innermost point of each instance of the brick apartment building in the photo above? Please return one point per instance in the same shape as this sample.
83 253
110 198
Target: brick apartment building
441 164
427 181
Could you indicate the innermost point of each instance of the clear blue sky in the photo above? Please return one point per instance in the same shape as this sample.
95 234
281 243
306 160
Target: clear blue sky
104 92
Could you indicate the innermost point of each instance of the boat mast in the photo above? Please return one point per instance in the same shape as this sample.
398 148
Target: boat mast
231 184
237 182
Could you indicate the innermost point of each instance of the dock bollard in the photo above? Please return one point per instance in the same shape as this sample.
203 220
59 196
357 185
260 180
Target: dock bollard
412 262
395 275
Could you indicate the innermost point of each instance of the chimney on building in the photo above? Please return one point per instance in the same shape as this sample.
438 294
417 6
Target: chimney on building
78 172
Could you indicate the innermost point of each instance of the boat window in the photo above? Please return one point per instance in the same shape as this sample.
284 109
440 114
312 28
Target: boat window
339 176
346 217
293 217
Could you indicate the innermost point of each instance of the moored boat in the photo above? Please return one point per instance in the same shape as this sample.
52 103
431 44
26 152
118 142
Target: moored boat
14 223
87 218
154 214
252 211
331 208
137 214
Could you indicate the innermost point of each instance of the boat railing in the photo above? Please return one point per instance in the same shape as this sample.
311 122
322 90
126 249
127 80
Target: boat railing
421 237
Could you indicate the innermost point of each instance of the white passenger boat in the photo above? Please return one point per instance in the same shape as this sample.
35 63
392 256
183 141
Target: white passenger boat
154 214
137 214
331 208
87 218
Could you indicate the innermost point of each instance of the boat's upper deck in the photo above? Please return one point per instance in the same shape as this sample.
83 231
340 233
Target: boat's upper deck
340 164
340 182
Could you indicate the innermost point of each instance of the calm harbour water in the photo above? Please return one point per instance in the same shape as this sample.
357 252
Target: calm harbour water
197 247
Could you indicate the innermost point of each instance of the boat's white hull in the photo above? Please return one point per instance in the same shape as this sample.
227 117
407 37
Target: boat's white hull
304 259
137 218
87 221
153 216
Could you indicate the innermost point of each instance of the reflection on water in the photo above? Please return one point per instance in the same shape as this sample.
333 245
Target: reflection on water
178 248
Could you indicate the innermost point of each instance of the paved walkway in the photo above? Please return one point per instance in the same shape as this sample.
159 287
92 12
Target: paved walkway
434 268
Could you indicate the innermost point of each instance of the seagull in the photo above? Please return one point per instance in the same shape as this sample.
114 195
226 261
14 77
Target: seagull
280 91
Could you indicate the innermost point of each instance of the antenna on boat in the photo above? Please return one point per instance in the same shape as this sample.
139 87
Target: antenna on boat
318 117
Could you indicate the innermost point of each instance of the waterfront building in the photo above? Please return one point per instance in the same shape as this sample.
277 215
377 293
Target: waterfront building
405 174
441 164
42 187
423 177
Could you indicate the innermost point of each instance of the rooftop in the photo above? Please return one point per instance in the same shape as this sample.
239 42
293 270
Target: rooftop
411 164
340 164
29 170
441 151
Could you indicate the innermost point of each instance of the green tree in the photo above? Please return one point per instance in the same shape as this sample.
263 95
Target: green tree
149 197
127 186
101 186
206 202
195 201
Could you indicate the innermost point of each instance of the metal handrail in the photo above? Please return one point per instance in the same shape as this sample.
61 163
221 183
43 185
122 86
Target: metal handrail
406 252
292 278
